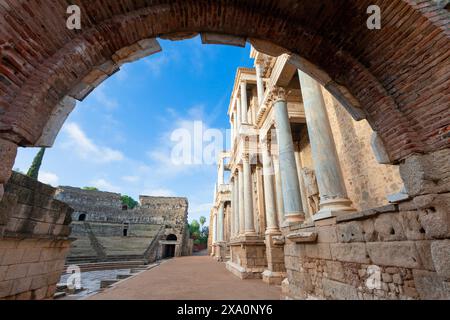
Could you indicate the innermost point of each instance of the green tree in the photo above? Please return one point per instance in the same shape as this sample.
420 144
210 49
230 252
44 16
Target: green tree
90 188
33 172
129 202
202 221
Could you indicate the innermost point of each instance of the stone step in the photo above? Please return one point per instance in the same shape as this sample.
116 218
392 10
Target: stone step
123 276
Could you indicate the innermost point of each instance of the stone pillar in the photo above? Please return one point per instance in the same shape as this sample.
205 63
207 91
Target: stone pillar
293 206
238 115
215 228
244 104
279 191
220 225
241 203
259 83
220 172
233 208
298 160
248 197
269 195
333 194
236 200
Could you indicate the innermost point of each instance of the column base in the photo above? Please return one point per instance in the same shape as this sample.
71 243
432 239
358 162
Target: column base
333 208
220 251
294 217
248 258
273 278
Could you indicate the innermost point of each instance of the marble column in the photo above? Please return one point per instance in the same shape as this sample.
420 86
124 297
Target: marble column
241 203
233 208
236 200
248 197
278 191
214 228
238 114
220 225
269 194
293 206
333 194
259 83
220 172
244 104
298 160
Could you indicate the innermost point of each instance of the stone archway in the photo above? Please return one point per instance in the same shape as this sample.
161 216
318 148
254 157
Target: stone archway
394 77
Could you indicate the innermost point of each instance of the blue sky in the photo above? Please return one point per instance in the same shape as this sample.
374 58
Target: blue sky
119 138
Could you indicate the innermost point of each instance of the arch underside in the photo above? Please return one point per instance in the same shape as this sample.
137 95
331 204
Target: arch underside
397 77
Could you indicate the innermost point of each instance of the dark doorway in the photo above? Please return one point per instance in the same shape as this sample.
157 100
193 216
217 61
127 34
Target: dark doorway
125 229
171 237
169 251
82 217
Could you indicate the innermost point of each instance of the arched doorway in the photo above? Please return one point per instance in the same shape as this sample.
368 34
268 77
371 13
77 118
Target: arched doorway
82 217
169 248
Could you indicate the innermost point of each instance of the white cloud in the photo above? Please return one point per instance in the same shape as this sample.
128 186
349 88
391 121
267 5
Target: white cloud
131 179
86 148
104 185
103 99
48 178
161 192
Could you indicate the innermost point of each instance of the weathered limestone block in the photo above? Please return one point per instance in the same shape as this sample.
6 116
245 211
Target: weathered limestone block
424 251
412 227
431 286
350 232
327 234
370 234
379 149
440 252
267 48
215 38
429 173
338 290
350 252
319 251
141 49
389 228
399 254
55 122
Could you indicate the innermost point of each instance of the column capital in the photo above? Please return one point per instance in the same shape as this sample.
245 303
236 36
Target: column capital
278 94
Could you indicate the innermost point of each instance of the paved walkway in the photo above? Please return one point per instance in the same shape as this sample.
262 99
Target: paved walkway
189 278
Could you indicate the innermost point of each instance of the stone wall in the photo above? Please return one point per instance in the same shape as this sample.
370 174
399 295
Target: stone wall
34 230
398 251
368 183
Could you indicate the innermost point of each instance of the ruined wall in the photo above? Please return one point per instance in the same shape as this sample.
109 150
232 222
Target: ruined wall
101 236
34 230
398 251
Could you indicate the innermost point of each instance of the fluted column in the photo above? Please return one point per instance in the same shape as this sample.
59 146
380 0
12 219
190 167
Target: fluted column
248 197
220 172
259 83
238 114
293 206
279 190
333 194
233 208
269 196
214 228
244 104
220 226
236 200
241 202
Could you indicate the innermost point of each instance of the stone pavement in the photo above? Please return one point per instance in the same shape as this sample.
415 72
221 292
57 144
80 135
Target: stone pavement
189 278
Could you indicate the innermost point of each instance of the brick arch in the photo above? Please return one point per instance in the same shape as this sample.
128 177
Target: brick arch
395 77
